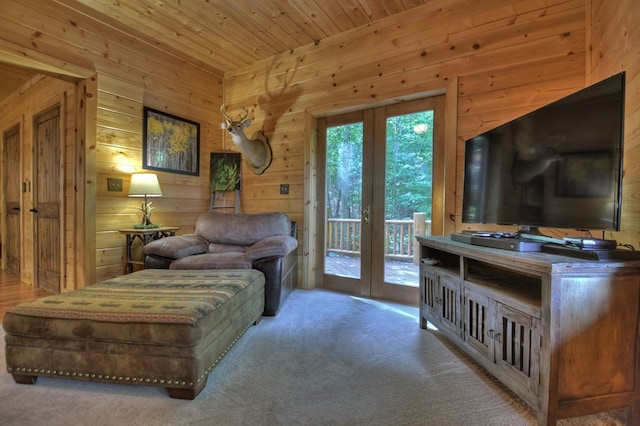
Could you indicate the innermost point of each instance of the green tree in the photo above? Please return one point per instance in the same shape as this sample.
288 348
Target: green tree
344 170
409 164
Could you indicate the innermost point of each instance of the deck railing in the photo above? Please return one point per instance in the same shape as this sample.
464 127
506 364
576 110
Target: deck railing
343 237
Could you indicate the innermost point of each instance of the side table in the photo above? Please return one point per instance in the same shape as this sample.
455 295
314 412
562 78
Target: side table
145 236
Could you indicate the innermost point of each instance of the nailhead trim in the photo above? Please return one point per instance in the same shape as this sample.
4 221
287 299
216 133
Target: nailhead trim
122 379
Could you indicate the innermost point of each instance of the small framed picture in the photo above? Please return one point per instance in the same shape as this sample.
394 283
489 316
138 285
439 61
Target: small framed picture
225 173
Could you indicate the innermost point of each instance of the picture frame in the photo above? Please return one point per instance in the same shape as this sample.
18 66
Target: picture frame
584 175
170 143
225 171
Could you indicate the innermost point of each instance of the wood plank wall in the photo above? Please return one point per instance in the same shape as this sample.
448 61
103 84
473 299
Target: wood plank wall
129 74
614 37
496 59
119 153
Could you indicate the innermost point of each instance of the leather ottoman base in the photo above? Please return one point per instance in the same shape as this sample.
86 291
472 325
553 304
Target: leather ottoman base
153 327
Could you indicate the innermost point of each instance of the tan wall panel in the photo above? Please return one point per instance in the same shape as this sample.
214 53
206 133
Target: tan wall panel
130 74
119 152
483 111
615 37
508 58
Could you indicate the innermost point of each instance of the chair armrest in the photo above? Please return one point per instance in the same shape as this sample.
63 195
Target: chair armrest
277 245
177 246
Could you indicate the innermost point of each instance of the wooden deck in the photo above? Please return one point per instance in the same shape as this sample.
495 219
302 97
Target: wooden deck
402 273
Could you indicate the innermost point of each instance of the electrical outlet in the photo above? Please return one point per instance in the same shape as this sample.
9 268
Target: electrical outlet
114 184
284 188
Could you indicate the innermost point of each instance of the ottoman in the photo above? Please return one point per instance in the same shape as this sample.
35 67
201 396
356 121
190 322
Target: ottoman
152 327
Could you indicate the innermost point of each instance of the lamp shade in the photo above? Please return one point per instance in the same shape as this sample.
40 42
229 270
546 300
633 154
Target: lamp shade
144 185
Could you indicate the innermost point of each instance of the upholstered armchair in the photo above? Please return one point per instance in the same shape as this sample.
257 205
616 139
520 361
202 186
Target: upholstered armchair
262 241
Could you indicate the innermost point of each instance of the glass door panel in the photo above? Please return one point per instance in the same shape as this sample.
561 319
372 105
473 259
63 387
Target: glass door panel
343 200
407 205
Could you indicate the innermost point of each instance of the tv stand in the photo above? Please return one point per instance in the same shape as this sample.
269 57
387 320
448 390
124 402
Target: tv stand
562 333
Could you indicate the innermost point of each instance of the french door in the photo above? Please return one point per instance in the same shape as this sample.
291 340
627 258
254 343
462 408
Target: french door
377 170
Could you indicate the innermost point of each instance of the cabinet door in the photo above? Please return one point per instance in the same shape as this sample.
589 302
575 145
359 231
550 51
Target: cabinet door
517 342
450 298
429 294
478 322
440 292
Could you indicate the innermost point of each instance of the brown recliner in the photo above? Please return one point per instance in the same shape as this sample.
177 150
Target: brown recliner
262 241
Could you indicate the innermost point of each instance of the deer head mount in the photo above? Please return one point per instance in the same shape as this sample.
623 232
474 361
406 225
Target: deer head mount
256 151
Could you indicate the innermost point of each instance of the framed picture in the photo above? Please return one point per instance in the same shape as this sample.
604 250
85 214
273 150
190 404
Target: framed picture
585 175
225 171
170 143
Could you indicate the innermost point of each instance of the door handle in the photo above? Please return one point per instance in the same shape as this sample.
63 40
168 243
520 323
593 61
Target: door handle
33 210
365 215
16 208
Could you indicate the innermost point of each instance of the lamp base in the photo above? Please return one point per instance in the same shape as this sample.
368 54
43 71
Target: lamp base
146 220
146 210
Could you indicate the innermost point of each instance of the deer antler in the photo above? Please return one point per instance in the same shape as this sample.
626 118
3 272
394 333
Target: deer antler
231 120
246 113
224 114
256 150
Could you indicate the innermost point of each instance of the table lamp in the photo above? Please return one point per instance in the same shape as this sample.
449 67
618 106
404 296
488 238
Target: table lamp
145 185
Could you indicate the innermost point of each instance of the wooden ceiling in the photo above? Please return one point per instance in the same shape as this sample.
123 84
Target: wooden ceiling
224 35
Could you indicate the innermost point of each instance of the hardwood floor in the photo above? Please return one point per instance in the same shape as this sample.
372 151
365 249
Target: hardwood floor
13 292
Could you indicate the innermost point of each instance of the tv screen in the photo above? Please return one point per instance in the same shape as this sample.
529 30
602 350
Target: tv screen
559 166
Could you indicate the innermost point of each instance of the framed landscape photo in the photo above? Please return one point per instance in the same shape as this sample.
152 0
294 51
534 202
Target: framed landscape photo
170 143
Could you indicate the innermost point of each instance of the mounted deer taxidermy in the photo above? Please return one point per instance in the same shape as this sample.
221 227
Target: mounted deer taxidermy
256 151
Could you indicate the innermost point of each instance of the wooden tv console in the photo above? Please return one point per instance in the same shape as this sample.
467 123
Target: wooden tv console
561 332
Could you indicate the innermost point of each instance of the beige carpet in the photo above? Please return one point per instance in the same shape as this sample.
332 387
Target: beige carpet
326 359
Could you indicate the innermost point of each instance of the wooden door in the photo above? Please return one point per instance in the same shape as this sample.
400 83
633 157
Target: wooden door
367 160
11 185
346 263
47 195
408 141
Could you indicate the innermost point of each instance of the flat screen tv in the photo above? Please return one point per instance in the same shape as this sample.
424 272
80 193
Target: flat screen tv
559 166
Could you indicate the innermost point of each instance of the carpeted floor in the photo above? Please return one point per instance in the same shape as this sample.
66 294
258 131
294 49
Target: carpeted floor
326 359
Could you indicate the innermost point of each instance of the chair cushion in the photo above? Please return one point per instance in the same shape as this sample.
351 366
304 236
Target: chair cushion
224 248
176 246
228 260
278 245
